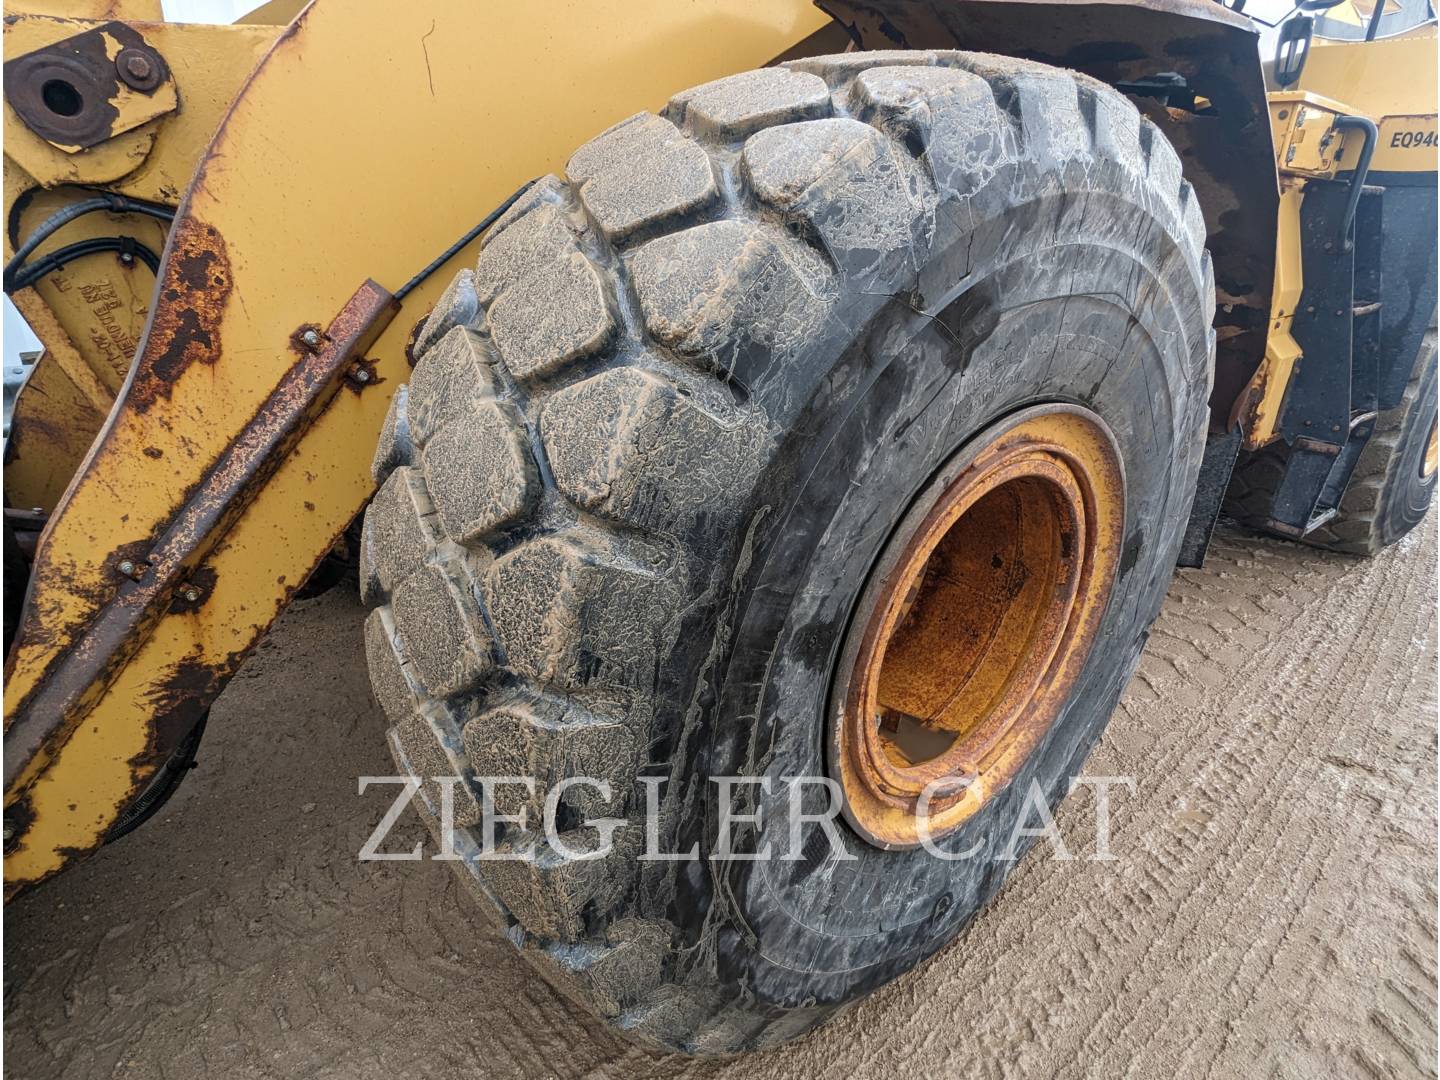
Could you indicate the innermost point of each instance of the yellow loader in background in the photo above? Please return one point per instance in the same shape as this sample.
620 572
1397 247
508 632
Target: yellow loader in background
842 417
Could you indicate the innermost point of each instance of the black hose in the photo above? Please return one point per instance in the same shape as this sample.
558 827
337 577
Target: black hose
52 261
167 781
118 204
450 252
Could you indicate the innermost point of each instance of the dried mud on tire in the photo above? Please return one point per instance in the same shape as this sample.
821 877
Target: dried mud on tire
713 365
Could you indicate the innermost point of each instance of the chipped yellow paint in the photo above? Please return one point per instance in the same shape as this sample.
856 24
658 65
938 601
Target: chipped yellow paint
132 108
97 10
207 64
90 313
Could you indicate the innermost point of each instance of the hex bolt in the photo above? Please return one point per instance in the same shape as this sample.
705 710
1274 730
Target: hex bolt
192 594
137 66
139 69
361 375
127 568
311 338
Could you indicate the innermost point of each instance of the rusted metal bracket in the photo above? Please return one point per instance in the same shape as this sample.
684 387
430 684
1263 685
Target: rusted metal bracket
121 625
88 88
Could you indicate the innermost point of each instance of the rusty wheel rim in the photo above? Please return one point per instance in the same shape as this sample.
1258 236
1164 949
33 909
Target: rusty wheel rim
1432 453
975 624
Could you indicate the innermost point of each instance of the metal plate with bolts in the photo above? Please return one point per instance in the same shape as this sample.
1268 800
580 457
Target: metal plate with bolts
91 87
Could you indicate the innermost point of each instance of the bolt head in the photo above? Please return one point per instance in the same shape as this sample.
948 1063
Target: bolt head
139 69
192 595
311 338
126 567
361 375
9 831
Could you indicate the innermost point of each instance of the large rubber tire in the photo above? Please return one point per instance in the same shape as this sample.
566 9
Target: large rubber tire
656 439
1389 492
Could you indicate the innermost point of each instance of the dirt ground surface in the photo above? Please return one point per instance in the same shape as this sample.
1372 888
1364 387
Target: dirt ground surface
1271 911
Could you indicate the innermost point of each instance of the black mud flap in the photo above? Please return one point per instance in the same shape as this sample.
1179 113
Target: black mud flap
1221 449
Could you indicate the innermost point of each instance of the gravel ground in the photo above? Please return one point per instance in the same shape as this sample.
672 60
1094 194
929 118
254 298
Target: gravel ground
1271 912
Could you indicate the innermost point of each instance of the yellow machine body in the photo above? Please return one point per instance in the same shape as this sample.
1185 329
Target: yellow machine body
195 446
1393 83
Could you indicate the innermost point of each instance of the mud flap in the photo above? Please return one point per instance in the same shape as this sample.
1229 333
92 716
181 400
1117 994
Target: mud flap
1221 449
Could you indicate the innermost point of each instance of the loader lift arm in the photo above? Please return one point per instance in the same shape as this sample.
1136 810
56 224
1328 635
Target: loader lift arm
231 461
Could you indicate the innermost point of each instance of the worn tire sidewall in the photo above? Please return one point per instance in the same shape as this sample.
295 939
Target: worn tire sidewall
814 934
1408 494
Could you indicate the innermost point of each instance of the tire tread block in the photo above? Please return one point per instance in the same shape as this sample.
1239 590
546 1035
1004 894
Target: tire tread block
453 380
445 636
740 105
724 292
480 471
398 534
640 174
577 322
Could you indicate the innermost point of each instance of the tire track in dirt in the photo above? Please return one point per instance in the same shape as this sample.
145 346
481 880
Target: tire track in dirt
1271 910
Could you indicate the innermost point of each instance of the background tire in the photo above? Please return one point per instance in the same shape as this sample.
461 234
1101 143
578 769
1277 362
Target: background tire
1390 490
655 441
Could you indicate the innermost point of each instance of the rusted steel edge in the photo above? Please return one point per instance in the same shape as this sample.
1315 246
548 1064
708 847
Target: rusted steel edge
73 685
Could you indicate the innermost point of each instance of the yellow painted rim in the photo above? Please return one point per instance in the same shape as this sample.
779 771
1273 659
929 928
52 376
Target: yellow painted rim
976 623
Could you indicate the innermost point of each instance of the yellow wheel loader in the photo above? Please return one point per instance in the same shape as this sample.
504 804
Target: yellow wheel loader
830 422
